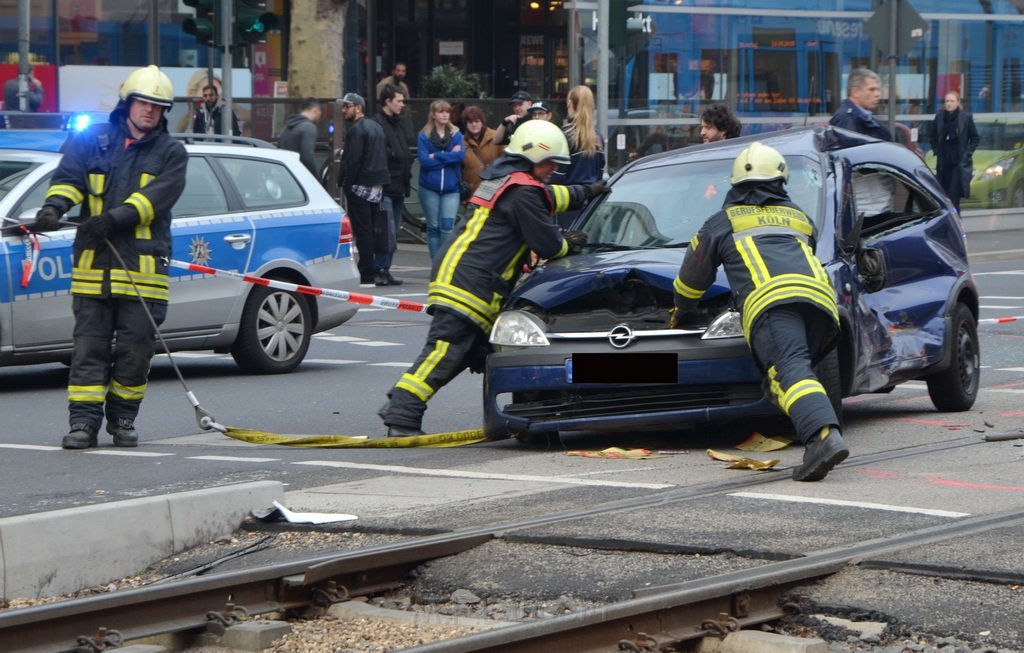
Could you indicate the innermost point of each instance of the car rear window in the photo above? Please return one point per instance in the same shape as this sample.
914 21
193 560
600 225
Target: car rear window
263 184
665 207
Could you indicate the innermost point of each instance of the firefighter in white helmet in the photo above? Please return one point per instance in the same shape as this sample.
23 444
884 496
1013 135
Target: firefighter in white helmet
788 308
126 174
512 213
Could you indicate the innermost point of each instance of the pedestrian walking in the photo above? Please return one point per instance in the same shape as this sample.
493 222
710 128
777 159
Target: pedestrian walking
718 123
479 266
863 93
364 171
127 174
441 151
300 131
520 102
208 116
389 117
954 138
788 308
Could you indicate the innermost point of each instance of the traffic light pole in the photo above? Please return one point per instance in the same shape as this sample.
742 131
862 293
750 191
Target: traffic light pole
603 65
226 64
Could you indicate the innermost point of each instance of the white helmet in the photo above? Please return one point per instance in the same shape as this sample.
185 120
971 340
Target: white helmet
539 140
150 84
759 162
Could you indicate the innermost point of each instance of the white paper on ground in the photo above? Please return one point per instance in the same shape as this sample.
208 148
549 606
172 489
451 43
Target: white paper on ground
312 517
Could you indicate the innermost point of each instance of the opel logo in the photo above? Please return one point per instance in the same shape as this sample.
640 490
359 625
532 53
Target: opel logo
621 336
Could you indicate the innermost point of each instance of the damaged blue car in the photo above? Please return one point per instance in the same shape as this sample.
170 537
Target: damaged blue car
583 342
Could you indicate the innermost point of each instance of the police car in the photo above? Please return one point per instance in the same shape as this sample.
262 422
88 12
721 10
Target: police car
252 210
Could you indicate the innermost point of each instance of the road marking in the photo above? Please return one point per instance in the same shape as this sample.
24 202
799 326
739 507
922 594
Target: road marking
995 307
136 454
239 459
1004 272
1009 391
394 364
194 354
449 473
377 343
850 504
423 294
331 361
1002 297
30 447
339 338
1010 369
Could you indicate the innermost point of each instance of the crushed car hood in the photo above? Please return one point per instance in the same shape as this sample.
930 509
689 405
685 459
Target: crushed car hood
563 280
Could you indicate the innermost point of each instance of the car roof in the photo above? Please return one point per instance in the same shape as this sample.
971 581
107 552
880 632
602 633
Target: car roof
28 155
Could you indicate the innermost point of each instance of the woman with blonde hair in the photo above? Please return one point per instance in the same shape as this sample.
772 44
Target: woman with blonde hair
586 145
441 151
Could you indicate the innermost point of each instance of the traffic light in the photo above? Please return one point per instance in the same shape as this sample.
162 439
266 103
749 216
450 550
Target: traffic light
253 21
203 25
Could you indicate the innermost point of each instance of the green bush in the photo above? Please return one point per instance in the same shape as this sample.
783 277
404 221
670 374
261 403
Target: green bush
449 82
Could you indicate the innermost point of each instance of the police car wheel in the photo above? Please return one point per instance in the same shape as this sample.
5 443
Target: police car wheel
274 333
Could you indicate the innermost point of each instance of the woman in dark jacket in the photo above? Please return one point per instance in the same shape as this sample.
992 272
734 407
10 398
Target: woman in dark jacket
586 145
954 139
441 151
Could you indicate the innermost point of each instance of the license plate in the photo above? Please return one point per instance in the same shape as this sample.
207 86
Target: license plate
622 368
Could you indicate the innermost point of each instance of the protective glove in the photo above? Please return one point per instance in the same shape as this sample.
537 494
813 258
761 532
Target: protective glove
597 189
47 219
673 318
678 311
97 226
575 238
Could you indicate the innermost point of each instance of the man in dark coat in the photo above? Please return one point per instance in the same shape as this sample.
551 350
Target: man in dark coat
398 187
299 134
863 94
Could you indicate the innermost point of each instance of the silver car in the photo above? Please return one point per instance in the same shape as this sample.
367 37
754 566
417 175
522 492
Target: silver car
252 210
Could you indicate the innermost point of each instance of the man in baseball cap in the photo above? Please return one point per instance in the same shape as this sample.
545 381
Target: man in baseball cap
354 99
539 111
520 101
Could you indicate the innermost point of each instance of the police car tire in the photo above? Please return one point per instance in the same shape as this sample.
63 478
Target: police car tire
264 306
954 389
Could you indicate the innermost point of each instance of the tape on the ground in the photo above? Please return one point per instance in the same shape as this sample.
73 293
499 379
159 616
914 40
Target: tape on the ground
448 439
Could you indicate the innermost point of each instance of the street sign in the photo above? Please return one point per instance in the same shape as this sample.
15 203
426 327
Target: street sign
909 27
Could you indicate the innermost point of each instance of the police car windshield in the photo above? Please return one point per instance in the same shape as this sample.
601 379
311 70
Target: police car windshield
664 207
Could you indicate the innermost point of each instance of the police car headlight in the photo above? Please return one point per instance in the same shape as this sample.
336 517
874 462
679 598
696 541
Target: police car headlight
726 325
518 329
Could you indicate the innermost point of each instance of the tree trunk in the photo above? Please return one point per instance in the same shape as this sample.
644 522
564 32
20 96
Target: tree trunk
316 55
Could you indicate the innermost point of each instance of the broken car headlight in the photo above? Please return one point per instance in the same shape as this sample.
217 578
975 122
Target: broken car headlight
518 329
726 325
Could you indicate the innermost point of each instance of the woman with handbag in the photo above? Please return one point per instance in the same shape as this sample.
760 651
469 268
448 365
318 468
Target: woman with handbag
441 151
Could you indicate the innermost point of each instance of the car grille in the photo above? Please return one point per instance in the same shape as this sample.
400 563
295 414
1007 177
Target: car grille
604 403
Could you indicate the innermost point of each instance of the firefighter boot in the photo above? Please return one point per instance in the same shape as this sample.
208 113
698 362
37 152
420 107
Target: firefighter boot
123 430
81 436
823 452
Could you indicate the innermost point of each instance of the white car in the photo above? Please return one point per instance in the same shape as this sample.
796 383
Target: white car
252 210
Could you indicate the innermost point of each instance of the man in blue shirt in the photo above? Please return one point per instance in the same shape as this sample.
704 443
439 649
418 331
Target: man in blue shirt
863 94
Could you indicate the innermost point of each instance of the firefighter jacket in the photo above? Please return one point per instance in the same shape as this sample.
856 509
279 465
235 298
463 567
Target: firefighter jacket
480 263
135 182
766 244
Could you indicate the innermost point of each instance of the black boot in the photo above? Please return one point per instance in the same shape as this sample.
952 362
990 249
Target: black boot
821 454
384 278
123 430
81 436
403 431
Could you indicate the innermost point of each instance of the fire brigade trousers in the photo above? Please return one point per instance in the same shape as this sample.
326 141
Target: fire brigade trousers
113 345
453 344
782 342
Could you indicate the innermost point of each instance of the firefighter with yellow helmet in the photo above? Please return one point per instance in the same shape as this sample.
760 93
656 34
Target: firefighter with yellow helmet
788 307
126 174
512 213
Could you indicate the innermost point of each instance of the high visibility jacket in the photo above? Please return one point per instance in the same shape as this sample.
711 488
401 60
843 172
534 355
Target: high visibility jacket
768 256
136 182
479 264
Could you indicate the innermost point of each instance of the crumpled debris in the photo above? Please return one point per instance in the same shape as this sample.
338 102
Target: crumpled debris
758 442
616 452
741 462
279 512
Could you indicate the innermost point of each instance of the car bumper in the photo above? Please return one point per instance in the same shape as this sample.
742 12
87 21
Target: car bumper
529 390
339 274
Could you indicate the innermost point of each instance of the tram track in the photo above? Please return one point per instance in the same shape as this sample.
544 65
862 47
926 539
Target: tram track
665 613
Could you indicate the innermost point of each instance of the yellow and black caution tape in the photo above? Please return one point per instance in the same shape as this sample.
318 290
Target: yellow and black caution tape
448 439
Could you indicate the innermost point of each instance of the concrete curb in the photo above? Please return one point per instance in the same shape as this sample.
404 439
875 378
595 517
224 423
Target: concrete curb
52 553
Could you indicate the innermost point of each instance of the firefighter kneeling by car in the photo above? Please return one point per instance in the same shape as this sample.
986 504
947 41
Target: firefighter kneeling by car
513 211
788 307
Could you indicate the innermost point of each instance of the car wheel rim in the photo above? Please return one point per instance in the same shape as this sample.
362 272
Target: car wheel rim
968 359
280 326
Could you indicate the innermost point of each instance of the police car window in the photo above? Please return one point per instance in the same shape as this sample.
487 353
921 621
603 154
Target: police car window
263 184
203 194
665 206
33 201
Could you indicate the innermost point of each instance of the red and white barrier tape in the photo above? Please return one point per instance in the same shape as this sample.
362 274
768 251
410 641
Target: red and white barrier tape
1000 320
330 293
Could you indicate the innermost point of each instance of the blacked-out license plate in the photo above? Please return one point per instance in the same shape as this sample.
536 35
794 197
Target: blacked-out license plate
622 368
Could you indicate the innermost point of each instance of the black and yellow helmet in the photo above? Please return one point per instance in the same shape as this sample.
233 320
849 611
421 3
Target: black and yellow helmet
149 84
759 162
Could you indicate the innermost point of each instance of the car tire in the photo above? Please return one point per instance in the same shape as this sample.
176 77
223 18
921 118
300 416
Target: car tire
546 439
274 333
828 372
956 388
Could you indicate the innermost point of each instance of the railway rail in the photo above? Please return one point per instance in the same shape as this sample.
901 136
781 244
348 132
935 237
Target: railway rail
652 618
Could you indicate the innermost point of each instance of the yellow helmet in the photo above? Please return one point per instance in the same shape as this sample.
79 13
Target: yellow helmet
150 84
759 162
539 140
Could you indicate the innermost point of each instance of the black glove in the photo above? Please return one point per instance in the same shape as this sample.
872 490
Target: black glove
47 219
97 226
597 189
575 238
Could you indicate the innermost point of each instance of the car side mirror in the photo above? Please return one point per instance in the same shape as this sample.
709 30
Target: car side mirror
871 268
